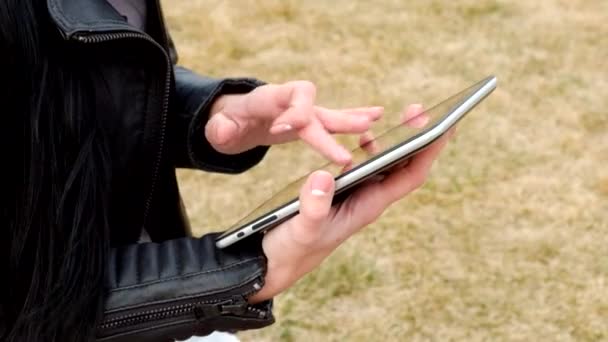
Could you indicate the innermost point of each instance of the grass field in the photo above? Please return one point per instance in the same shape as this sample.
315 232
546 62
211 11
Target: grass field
508 240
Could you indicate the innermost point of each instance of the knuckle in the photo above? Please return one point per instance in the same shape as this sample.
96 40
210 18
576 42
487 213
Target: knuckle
315 212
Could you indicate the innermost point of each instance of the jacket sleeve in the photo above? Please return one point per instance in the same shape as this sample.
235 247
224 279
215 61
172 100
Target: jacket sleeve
194 96
181 288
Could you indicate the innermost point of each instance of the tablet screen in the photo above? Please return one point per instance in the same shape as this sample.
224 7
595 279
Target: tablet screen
400 133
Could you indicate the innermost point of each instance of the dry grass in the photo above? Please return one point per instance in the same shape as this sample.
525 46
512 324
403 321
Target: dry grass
508 240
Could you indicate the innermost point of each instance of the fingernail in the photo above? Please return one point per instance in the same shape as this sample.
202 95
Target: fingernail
364 120
344 156
320 185
318 192
377 113
281 128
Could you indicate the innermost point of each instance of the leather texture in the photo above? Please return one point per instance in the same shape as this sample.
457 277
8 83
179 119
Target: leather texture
150 137
194 266
151 277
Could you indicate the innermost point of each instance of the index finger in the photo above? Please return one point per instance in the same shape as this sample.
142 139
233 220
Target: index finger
316 136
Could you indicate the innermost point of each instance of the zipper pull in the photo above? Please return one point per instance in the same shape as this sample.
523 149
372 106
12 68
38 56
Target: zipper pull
237 306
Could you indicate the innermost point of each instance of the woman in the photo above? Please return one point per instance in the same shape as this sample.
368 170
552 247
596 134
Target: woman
97 116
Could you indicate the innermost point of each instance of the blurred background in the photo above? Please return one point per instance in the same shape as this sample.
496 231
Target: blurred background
508 239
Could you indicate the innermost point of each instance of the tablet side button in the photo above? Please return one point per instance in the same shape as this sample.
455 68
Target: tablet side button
264 222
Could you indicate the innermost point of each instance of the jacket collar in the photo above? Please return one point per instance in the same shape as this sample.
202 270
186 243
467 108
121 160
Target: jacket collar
74 17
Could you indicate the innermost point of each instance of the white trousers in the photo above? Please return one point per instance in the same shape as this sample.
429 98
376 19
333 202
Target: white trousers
215 337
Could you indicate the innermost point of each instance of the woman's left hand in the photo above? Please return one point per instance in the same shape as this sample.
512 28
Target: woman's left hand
275 114
300 244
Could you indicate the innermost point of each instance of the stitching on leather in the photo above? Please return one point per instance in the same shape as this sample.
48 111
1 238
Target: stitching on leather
138 261
77 22
178 259
115 269
201 294
185 276
55 7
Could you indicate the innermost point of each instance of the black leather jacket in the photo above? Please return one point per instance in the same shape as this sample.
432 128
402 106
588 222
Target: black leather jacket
176 286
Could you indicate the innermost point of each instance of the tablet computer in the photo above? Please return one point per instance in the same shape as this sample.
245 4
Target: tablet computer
397 145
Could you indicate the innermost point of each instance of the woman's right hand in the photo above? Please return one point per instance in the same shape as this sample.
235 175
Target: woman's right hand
299 245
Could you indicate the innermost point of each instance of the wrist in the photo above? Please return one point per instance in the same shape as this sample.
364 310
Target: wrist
286 264
275 282
279 276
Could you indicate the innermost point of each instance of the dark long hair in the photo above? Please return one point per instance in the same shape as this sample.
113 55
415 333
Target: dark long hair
53 223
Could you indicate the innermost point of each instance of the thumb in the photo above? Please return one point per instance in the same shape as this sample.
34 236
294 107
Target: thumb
220 130
315 205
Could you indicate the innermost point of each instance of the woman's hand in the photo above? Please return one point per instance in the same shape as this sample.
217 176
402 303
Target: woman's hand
299 245
275 114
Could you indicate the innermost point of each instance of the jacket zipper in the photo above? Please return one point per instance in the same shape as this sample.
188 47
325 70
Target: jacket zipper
238 303
154 315
105 37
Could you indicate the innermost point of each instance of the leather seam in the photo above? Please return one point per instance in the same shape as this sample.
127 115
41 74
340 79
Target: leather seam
65 19
202 294
56 8
160 281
